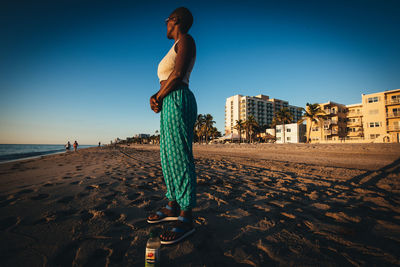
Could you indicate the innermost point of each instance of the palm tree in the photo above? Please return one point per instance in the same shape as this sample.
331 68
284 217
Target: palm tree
214 133
284 116
208 123
239 126
273 125
312 113
198 126
249 125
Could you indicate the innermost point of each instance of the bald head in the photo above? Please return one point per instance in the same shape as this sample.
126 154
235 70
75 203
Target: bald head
184 18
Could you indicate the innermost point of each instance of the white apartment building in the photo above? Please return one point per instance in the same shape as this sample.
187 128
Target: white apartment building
262 107
294 133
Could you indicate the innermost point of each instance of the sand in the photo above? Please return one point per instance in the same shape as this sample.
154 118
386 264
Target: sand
258 205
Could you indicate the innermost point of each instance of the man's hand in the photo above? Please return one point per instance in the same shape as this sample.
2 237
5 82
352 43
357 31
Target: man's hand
154 104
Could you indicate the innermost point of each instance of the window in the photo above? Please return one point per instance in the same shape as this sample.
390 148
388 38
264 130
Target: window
315 129
288 130
373 136
288 138
278 130
375 124
278 139
372 99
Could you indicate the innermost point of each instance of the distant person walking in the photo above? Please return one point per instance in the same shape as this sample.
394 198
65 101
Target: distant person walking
178 115
68 146
75 146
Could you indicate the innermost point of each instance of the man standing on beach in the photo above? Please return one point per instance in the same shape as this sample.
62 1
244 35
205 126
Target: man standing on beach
178 115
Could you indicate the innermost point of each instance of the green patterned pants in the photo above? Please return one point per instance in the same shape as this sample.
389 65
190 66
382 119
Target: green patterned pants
178 116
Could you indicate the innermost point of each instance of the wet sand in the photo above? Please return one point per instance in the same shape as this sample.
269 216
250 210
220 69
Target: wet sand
258 205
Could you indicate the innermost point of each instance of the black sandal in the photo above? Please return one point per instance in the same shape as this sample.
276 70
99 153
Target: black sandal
162 217
181 229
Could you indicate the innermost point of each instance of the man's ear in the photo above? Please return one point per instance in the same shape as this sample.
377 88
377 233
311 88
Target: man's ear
177 20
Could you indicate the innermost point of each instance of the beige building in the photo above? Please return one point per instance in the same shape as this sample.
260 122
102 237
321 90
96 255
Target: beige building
382 116
392 101
374 113
376 119
333 127
262 107
355 129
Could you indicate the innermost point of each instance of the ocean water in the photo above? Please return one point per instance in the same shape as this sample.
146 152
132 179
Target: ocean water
18 152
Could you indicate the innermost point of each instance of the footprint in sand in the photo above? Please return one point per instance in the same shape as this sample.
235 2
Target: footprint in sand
82 194
155 198
103 205
133 196
137 201
76 182
9 200
92 187
66 199
144 187
9 222
86 215
67 177
40 196
24 191
67 254
110 197
64 214
48 184
119 249
112 215
103 185
100 257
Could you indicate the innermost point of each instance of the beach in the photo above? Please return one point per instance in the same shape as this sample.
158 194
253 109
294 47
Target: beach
257 205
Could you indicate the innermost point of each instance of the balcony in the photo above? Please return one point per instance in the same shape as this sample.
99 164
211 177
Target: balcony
354 114
329 122
330 111
393 101
330 132
393 114
393 128
354 123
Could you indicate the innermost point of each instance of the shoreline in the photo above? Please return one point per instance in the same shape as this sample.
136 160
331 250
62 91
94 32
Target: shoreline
38 156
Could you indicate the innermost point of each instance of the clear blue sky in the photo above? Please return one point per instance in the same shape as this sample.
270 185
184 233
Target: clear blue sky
84 70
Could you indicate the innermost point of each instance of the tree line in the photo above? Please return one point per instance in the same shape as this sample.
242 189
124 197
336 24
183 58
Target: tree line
204 129
252 129
313 114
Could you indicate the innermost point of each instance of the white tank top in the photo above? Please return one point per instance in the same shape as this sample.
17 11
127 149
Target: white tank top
167 65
